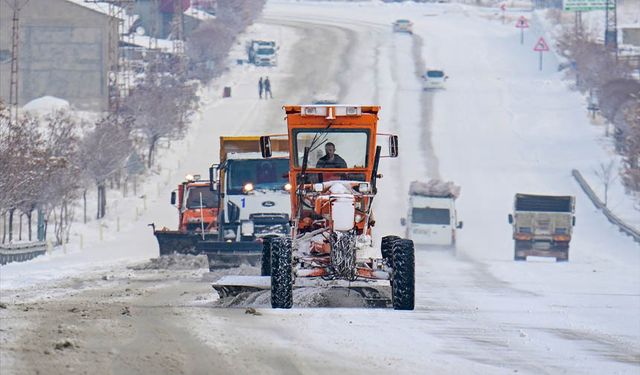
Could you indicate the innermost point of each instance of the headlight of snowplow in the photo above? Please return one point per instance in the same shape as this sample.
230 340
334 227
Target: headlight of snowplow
247 187
363 187
247 228
287 186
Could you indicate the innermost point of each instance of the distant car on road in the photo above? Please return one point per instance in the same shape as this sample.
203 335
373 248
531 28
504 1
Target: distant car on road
403 26
434 79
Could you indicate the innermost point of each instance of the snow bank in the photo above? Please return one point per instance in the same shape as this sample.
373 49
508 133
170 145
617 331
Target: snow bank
46 104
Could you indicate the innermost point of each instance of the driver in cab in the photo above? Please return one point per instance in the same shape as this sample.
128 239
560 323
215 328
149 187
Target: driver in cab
331 159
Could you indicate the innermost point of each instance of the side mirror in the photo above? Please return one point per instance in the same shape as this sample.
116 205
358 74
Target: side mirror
393 146
233 212
573 221
173 198
212 178
510 219
265 146
403 221
459 226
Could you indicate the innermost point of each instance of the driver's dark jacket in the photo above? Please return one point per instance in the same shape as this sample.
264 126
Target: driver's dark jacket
337 162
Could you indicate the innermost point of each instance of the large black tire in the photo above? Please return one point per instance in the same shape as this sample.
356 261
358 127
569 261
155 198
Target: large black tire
387 248
265 268
403 279
281 274
564 248
520 245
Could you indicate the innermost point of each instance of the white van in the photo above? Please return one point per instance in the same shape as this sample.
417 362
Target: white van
433 79
432 217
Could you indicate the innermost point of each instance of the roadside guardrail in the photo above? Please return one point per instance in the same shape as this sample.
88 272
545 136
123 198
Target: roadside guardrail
21 252
624 227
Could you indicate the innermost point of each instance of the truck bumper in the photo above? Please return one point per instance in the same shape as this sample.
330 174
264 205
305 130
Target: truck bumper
223 254
180 242
558 250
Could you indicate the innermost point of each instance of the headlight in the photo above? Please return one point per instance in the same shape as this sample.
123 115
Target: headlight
188 177
247 187
287 186
229 234
247 228
318 187
363 188
359 218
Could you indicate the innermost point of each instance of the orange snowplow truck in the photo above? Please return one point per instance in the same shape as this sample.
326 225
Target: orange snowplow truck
198 208
334 156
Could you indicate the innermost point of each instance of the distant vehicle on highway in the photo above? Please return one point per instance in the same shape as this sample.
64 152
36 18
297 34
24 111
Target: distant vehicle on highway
434 79
403 26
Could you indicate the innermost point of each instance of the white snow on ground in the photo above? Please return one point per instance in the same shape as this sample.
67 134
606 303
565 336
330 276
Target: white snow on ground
500 127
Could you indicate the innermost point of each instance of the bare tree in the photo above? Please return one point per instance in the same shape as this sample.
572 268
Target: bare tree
159 107
61 183
606 175
631 149
103 153
209 45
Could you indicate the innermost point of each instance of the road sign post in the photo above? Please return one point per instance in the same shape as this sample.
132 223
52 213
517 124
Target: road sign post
541 46
522 24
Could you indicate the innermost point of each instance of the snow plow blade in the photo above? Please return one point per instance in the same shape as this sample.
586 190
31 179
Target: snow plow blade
223 254
179 242
376 293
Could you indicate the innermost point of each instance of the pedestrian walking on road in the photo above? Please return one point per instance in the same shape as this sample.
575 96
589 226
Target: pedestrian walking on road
267 88
260 86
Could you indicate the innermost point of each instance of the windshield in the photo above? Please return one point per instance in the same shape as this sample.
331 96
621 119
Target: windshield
265 51
264 174
209 198
430 216
333 148
435 74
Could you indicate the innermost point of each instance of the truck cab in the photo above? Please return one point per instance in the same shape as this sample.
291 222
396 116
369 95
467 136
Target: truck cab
254 192
432 217
262 53
197 205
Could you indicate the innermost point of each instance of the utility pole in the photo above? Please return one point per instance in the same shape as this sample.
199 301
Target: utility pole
16 6
177 33
611 26
177 28
118 71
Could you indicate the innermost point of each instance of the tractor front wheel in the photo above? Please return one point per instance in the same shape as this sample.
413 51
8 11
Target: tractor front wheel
281 274
387 248
265 268
403 279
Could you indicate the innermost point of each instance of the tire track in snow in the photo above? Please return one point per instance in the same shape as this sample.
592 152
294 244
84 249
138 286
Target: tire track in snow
431 159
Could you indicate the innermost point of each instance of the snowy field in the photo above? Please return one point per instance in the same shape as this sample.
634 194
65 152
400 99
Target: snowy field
499 127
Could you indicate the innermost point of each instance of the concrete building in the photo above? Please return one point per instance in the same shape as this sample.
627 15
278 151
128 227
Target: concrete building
64 51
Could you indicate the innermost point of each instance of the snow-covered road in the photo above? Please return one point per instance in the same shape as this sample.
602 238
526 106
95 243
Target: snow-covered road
500 127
